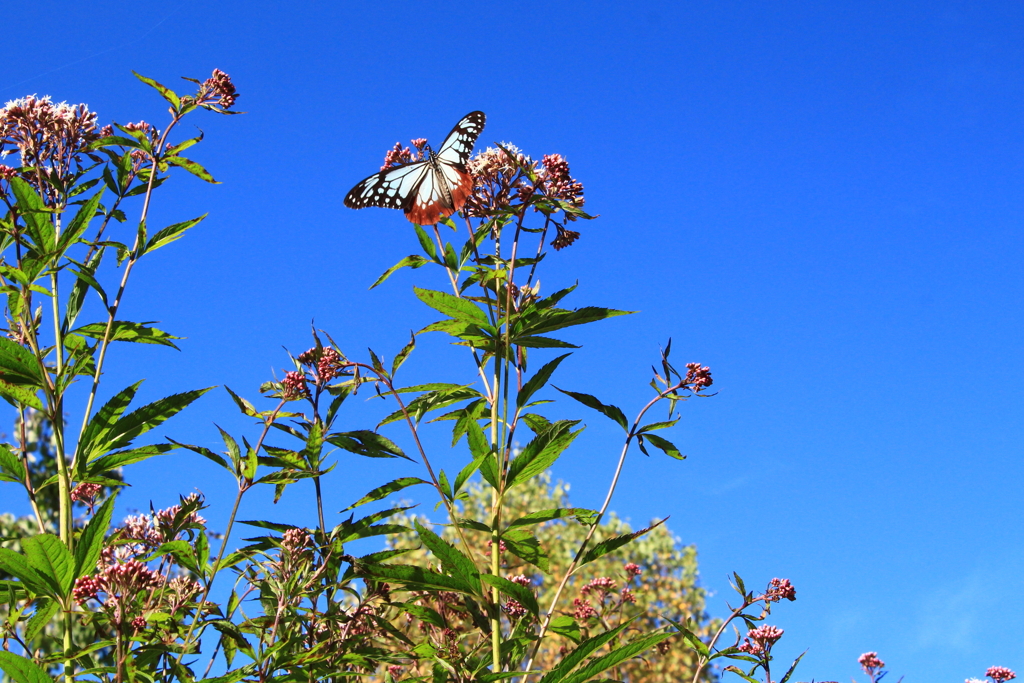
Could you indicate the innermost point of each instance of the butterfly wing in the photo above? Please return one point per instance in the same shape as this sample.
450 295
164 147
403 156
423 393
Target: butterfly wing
457 147
430 189
392 188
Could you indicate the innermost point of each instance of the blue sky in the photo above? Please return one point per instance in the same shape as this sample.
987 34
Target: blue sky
821 201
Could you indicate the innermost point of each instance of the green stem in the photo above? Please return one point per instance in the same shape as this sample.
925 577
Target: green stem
597 522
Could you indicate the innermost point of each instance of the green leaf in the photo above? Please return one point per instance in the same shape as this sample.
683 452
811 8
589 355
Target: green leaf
617 656
192 167
613 412
403 354
166 92
90 543
534 342
386 490
537 381
521 594
171 233
547 515
37 217
664 444
565 625
80 223
138 422
20 394
367 443
413 261
453 561
45 609
525 546
572 659
539 454
481 451
414 578
50 558
22 670
17 364
457 308
123 330
17 565
429 248
695 642
12 468
102 423
556 319
616 542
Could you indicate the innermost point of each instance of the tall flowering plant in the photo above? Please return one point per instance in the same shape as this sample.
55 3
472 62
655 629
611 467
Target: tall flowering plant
137 602
67 185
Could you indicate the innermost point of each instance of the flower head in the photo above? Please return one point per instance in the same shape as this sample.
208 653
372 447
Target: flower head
1000 674
870 662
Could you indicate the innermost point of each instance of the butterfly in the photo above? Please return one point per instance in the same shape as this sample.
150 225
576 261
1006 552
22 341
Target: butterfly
430 189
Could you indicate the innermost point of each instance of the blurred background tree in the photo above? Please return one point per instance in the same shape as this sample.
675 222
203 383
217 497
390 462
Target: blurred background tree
652 578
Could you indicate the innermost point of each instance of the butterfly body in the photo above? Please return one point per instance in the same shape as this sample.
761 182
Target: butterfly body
431 188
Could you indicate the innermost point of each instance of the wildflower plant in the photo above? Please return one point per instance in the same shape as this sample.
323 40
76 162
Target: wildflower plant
140 602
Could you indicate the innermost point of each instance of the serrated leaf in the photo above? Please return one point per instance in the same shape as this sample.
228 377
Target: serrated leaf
617 656
427 244
452 559
17 364
616 542
164 91
414 578
172 233
613 412
412 261
35 214
50 558
565 625
453 306
22 670
126 331
573 658
18 566
90 543
541 452
526 547
539 379
192 167
664 445
386 490
12 468
45 609
521 594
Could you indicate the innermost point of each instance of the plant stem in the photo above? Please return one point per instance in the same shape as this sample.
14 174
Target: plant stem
597 522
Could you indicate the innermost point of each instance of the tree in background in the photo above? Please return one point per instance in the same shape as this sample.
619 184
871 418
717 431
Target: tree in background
649 579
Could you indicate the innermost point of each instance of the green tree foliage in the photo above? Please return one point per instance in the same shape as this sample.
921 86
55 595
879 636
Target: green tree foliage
636 585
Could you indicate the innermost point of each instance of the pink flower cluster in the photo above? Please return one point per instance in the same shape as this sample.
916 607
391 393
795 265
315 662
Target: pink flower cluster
601 586
46 135
514 608
760 640
326 363
295 385
85 492
633 569
1000 674
119 581
218 90
698 377
582 609
779 589
870 662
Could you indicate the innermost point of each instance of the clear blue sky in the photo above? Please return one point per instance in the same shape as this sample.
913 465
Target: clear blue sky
821 201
